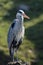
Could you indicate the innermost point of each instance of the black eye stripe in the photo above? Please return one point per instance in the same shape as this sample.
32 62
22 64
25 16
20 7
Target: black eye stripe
19 12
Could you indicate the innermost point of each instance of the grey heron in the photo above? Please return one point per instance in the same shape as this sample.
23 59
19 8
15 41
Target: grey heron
16 33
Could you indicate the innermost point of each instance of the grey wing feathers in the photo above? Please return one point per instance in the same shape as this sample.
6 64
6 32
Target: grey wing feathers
10 36
13 31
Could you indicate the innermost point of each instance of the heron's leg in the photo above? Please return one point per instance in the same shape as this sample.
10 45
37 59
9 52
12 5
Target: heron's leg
17 47
16 55
12 52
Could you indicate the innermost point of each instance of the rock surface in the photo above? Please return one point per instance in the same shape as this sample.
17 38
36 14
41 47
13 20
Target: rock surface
17 63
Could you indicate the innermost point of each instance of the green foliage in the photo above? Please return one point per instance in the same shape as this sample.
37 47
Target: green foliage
32 46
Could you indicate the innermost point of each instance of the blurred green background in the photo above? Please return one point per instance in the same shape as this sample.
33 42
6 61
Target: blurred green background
32 46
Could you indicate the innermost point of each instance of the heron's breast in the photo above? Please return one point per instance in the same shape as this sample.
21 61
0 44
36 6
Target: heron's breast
20 34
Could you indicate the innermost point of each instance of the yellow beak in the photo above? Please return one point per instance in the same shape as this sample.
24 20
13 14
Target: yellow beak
25 16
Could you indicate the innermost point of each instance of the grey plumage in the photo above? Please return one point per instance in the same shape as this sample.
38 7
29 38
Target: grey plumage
16 32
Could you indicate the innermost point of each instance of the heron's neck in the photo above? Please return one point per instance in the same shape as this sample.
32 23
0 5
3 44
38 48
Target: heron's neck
21 19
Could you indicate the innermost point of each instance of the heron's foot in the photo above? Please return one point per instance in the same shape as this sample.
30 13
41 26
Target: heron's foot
12 58
17 59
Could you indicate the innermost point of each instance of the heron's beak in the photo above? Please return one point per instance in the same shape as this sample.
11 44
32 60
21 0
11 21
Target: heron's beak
25 16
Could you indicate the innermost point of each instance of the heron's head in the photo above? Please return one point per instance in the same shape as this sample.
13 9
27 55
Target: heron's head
21 15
